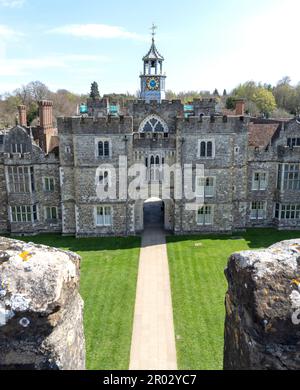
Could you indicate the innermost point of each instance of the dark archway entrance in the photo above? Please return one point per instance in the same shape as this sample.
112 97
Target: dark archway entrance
154 213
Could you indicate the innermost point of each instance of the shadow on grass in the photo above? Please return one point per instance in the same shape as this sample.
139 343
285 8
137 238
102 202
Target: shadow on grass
84 244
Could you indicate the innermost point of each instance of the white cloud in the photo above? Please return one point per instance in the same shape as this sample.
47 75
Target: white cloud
98 31
12 3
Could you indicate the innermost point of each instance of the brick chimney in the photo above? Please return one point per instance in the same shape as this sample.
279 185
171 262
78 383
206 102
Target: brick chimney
46 114
240 107
22 115
47 134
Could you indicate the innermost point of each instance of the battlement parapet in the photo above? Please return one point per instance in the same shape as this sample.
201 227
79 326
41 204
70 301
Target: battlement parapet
202 121
92 125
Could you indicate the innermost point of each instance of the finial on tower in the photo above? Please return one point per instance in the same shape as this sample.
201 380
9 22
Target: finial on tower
153 29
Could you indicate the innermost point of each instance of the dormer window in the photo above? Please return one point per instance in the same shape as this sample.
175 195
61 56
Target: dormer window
18 148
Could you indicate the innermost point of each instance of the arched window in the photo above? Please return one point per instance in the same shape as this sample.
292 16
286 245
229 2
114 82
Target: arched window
157 162
101 149
203 149
152 160
209 149
153 124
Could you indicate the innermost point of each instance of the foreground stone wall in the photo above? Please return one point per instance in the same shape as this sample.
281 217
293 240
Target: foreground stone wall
41 311
262 328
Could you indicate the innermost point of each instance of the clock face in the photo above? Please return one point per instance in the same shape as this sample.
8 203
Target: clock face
152 83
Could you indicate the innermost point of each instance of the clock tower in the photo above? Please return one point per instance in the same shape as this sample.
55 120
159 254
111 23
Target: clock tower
152 79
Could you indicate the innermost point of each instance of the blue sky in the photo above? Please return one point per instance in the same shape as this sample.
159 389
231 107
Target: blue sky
207 44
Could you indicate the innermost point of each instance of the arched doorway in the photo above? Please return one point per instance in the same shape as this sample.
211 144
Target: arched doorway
154 213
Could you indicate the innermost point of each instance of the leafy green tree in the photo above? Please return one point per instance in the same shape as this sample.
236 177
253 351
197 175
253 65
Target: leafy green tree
286 95
94 91
245 91
265 101
230 103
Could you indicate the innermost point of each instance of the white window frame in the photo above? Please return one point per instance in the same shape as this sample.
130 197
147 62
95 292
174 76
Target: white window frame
207 140
155 172
205 221
50 208
23 214
258 213
286 211
293 177
107 218
17 148
259 185
158 120
48 179
19 179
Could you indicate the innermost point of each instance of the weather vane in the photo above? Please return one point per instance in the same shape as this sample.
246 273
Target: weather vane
153 29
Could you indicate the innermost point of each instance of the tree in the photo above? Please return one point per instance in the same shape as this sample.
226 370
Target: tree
224 93
245 91
264 101
94 91
32 92
286 95
216 92
230 103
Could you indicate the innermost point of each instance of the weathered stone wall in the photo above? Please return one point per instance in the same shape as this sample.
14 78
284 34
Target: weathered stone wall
43 165
262 328
228 167
41 311
167 110
3 200
233 165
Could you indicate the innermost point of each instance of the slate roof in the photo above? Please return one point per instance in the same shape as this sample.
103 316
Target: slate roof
153 53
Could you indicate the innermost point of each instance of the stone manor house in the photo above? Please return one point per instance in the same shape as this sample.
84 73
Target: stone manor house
47 175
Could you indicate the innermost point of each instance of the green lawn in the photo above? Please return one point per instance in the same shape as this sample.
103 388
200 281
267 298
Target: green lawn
108 285
198 283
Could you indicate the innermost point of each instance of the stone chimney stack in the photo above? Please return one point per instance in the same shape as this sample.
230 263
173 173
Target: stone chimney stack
240 107
22 115
46 114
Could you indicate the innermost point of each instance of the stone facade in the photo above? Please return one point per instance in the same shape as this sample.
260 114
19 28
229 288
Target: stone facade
251 167
263 308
